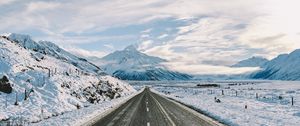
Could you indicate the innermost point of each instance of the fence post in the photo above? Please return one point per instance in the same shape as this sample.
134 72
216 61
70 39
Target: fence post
16 103
292 101
49 73
222 92
25 94
6 101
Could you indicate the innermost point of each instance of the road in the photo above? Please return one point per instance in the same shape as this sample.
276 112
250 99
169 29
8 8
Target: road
150 109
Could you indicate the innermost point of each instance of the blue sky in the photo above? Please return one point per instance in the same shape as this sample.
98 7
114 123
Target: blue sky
198 36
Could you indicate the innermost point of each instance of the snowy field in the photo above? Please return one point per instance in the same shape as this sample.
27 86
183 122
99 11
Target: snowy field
244 103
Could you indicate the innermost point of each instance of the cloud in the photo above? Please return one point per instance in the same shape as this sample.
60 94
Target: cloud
5 2
212 34
42 6
145 45
85 53
109 46
147 30
162 36
202 69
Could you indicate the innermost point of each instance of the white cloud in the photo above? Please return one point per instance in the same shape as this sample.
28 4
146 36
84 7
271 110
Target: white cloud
276 31
85 53
162 36
216 32
109 46
147 30
202 69
145 45
202 41
41 5
5 2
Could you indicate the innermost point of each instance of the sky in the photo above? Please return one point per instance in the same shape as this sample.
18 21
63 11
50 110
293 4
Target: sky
195 36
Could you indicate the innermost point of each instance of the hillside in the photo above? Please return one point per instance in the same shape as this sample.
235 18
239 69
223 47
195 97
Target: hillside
251 62
47 81
283 67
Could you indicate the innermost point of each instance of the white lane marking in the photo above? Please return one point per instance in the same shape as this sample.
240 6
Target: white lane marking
148 123
164 111
147 109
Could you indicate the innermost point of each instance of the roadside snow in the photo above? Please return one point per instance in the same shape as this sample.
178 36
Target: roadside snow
84 116
271 108
55 82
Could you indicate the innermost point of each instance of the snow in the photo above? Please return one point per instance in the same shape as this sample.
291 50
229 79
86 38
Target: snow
252 62
87 115
131 64
60 82
283 67
266 110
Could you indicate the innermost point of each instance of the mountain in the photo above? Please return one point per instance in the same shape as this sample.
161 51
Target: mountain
49 48
283 67
41 75
131 64
251 62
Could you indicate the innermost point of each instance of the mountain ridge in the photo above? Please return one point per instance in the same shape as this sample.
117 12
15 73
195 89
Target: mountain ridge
131 64
283 67
48 78
251 62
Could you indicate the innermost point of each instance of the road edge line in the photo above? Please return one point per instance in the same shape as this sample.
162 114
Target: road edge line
200 115
164 111
108 111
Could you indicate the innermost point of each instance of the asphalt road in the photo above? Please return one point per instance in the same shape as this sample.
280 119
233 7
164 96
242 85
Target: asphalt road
150 109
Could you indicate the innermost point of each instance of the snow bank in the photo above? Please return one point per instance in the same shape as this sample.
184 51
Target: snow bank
87 115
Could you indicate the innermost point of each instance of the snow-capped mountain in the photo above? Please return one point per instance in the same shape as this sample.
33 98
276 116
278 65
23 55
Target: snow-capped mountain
283 67
49 48
251 62
42 80
131 64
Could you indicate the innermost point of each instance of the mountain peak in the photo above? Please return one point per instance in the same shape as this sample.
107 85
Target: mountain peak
254 61
19 37
131 48
131 64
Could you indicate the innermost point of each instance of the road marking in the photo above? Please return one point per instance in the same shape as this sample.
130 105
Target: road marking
148 123
164 111
147 109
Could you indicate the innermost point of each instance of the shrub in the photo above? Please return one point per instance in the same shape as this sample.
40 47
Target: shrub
5 85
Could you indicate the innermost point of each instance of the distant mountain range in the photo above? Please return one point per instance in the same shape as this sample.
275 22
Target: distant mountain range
252 62
131 64
283 67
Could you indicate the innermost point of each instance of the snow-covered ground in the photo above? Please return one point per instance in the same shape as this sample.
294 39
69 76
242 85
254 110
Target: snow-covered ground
268 102
47 81
85 116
